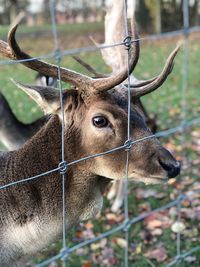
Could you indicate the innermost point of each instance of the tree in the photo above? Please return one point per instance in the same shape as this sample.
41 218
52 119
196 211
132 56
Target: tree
154 7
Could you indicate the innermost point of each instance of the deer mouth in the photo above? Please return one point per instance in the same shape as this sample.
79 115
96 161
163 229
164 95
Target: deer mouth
148 180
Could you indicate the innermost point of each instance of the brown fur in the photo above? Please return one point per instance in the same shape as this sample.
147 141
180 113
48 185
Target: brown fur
23 205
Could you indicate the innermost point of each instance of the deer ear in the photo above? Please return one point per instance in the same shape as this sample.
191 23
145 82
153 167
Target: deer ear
48 98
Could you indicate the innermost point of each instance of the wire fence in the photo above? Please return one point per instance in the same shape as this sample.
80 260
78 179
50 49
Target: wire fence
128 222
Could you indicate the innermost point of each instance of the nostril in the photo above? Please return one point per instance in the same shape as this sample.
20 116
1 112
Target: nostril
172 168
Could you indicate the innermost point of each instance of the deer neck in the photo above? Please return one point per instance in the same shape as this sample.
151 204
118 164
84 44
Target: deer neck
45 146
34 209
43 153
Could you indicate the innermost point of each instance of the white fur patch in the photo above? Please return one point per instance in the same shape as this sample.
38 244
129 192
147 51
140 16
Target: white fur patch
31 237
93 207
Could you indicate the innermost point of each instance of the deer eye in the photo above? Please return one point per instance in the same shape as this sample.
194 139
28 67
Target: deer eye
100 121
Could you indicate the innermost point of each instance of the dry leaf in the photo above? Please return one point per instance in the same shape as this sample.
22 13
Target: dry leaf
95 246
53 264
160 195
144 207
158 220
103 242
121 242
190 259
191 232
86 264
188 213
142 193
154 224
88 225
178 227
114 218
158 254
157 231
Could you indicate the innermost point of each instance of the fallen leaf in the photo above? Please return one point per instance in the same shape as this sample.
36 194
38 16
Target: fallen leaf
86 264
154 224
121 242
160 195
95 246
190 259
141 193
138 249
53 264
114 218
159 254
157 232
188 213
103 242
158 220
191 232
88 225
178 227
82 251
144 207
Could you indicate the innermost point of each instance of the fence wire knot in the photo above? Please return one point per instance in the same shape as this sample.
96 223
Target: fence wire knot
127 42
63 166
57 55
64 254
126 225
128 144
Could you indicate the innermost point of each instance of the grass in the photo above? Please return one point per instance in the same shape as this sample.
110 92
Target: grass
165 103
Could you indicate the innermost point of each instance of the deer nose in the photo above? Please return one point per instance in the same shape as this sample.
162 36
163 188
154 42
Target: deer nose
169 164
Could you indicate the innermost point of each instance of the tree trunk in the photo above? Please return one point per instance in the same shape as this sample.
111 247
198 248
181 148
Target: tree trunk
158 23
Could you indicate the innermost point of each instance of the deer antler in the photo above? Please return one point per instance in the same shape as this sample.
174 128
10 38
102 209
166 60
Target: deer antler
12 50
84 83
143 89
90 68
116 57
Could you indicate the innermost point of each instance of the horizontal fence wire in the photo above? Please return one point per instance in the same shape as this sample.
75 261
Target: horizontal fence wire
98 47
123 226
185 124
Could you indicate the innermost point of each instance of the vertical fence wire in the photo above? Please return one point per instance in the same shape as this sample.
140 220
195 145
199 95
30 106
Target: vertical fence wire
185 12
125 183
63 163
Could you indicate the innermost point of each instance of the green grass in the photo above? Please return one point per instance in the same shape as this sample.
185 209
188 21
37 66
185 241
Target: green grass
71 29
165 103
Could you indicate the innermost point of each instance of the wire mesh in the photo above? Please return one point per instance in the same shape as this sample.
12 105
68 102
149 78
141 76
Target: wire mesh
184 124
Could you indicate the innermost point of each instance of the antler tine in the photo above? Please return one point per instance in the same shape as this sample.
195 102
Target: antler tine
140 83
41 66
97 74
89 68
84 83
159 80
109 82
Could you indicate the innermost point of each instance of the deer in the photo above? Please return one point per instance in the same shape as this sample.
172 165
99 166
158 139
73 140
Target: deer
14 133
95 117
115 58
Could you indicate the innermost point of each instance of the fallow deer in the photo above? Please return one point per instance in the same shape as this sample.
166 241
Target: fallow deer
95 121
14 133
116 57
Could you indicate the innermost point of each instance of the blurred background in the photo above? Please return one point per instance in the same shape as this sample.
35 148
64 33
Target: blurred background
152 15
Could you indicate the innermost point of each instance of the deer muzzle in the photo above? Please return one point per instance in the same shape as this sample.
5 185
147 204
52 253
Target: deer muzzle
169 163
